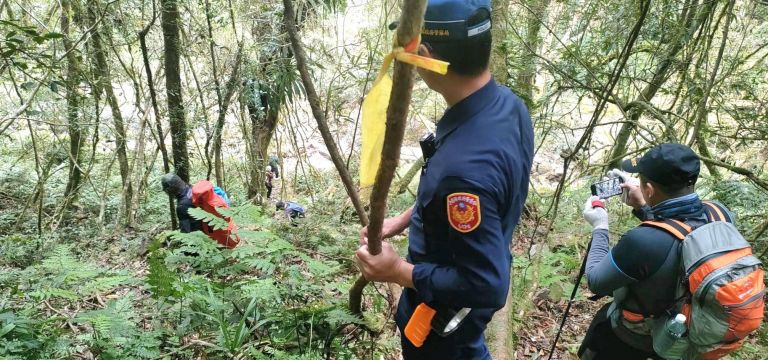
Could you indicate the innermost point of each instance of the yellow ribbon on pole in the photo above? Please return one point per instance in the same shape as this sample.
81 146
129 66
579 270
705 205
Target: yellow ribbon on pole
375 107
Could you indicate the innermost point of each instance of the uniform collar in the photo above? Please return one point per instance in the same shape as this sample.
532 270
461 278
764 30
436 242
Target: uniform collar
465 109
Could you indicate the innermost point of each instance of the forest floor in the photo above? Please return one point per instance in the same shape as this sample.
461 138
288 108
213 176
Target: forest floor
312 261
532 338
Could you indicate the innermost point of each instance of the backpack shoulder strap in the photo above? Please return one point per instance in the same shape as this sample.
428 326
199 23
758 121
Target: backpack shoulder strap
676 228
716 212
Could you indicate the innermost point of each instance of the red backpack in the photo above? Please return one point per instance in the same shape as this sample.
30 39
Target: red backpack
204 197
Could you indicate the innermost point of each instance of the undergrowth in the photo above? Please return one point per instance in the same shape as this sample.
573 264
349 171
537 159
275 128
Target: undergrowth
280 294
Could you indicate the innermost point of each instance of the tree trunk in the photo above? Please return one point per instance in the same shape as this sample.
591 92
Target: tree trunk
104 84
217 86
700 120
692 23
411 21
317 111
263 112
76 132
402 185
524 83
156 110
230 89
170 25
500 21
138 164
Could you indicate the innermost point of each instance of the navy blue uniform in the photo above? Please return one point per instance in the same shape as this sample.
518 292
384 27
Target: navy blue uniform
470 198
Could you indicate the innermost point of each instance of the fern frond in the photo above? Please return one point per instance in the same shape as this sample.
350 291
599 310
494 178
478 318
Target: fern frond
160 279
339 316
214 221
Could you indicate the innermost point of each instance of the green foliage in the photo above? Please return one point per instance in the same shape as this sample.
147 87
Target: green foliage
18 250
115 333
22 45
160 279
272 296
18 335
213 220
62 276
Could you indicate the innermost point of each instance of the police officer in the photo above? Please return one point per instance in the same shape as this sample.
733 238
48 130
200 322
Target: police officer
471 194
173 185
641 271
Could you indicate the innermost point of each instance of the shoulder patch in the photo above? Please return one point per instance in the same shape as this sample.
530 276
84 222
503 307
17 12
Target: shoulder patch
463 211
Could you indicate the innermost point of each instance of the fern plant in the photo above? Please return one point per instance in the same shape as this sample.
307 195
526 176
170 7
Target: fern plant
197 250
115 334
61 275
161 280
213 220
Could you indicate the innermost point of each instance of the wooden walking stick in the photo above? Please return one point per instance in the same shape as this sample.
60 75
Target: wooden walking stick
408 30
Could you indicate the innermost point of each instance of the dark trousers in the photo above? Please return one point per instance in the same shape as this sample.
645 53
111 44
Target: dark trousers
269 190
601 343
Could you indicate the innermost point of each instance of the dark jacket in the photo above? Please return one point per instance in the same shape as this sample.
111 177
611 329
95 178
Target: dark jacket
183 204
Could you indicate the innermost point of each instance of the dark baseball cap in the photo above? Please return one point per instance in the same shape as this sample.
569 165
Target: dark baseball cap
446 20
666 164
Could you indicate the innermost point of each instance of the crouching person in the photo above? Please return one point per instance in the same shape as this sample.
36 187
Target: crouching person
293 210
203 195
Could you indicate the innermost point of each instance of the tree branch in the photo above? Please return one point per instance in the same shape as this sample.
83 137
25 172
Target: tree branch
317 111
739 170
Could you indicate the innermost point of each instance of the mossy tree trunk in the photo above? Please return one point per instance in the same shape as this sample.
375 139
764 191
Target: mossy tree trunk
77 133
170 24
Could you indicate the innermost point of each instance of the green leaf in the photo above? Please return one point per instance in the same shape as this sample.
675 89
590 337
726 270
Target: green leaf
159 278
29 85
556 292
341 316
6 329
212 220
31 31
53 35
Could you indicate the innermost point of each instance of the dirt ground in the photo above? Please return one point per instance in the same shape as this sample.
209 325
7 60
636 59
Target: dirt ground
533 339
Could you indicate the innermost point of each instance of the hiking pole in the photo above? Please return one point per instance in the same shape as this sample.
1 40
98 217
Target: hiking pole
570 301
575 289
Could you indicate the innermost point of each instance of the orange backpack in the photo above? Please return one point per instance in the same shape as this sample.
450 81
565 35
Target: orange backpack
204 197
721 286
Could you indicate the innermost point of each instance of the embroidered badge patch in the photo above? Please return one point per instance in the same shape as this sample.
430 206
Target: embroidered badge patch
463 211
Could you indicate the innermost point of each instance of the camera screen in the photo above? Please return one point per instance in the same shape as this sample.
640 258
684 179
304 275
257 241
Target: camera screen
607 188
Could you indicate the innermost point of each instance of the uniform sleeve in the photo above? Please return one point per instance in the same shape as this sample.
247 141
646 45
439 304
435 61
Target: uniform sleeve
479 275
603 275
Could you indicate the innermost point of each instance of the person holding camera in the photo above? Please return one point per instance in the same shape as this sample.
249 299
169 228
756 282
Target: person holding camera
471 194
642 271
